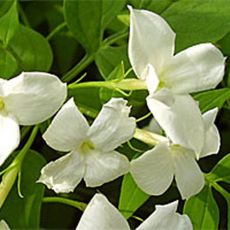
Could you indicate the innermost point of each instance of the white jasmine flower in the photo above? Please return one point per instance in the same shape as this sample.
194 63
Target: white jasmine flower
27 99
151 53
92 154
101 214
154 170
4 225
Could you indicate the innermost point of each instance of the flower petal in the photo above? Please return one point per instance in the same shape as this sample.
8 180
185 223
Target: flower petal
4 225
113 126
104 167
212 137
68 128
9 135
64 174
197 68
101 214
189 178
153 170
151 41
181 119
151 78
33 97
165 217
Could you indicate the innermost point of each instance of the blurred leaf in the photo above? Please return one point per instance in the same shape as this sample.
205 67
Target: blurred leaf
131 197
203 210
5 5
24 213
221 172
213 98
87 20
107 58
198 21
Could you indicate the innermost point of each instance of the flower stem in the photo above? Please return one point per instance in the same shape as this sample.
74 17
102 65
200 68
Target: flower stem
56 30
76 204
14 168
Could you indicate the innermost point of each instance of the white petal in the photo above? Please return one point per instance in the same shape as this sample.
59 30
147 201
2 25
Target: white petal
4 225
68 128
197 68
33 97
166 218
151 41
151 78
153 171
181 120
100 214
113 126
104 167
189 178
212 137
64 174
9 135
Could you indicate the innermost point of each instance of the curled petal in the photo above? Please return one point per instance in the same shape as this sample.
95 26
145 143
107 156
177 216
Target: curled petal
197 68
33 97
153 171
104 167
151 41
9 135
165 217
113 126
101 214
68 128
64 174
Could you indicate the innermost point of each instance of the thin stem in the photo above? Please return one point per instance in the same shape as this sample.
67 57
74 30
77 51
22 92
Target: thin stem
144 117
56 30
11 174
76 204
23 16
24 131
114 38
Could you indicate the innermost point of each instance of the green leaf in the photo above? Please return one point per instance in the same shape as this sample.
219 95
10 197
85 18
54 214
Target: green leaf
5 5
213 98
203 210
221 172
88 19
107 58
228 203
198 21
131 197
24 213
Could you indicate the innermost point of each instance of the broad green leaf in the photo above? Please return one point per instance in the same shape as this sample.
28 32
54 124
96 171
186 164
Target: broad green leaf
131 197
213 98
221 172
5 5
203 210
107 58
198 21
87 20
24 213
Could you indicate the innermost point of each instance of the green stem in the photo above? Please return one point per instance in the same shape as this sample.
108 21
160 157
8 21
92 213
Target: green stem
114 38
24 131
76 204
14 168
23 16
56 30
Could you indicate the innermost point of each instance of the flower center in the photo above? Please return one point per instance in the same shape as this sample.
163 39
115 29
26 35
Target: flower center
2 104
87 146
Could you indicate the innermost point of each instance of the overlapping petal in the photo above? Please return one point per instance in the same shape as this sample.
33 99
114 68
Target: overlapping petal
33 97
113 126
153 171
197 68
166 218
104 167
68 129
151 41
64 174
180 118
4 225
9 135
101 214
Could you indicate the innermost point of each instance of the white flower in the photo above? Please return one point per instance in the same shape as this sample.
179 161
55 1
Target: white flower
101 214
4 225
151 53
154 170
27 99
92 154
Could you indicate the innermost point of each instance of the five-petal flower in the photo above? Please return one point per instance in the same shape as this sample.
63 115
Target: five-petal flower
92 154
28 99
101 214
